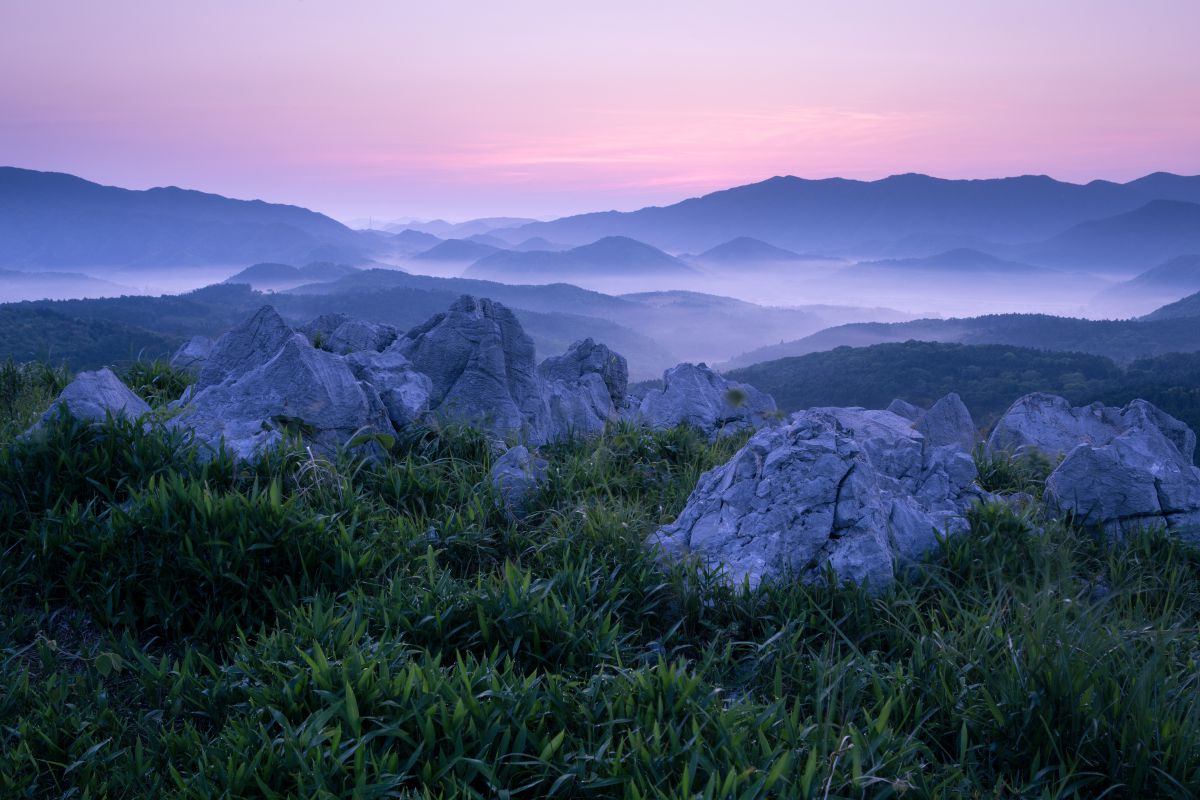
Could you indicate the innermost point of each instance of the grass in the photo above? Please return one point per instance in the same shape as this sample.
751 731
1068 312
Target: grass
187 628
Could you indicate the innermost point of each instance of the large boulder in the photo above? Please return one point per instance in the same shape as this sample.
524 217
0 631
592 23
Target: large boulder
246 347
404 391
948 422
516 477
694 395
584 358
853 491
95 395
357 335
297 390
481 367
1052 426
192 354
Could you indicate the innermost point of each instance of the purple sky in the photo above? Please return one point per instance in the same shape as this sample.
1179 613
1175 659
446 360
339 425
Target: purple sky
458 109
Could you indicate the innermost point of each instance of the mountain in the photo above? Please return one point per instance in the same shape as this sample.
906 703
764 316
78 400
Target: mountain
1188 307
538 243
747 250
275 276
611 255
50 220
488 239
1156 231
959 261
832 214
411 241
1156 286
457 250
1121 340
462 230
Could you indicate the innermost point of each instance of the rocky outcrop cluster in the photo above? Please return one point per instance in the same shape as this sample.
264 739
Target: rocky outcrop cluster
845 492
335 379
1119 469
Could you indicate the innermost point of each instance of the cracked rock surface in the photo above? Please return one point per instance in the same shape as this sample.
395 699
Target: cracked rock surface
846 490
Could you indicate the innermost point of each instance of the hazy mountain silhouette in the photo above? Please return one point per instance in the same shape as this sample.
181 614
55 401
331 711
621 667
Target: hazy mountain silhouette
272 275
457 250
1187 308
412 241
49 219
611 255
16 285
1157 286
957 261
748 250
1156 231
825 215
538 243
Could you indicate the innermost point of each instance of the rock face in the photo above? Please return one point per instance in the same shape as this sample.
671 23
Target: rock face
1122 469
481 367
585 358
192 354
905 409
948 422
517 476
94 395
249 345
1050 425
844 489
296 389
694 395
403 391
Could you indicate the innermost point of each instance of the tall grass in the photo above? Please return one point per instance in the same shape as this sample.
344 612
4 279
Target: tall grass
188 627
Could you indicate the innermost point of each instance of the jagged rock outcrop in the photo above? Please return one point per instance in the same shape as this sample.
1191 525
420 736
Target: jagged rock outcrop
481 367
905 409
93 396
585 358
403 391
844 489
297 389
948 422
1122 468
516 477
192 354
1052 426
694 395
245 347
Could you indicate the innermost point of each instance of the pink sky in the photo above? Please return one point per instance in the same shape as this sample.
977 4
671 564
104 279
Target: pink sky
458 109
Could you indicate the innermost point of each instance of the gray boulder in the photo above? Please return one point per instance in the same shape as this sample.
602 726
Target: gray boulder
299 389
857 492
92 396
586 357
948 422
481 367
358 335
244 348
517 476
192 354
694 395
1052 426
403 391
905 409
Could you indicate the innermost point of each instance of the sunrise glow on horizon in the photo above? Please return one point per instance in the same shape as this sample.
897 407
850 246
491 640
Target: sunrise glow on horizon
384 109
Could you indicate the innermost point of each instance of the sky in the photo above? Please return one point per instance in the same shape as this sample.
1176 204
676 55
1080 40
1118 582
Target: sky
395 108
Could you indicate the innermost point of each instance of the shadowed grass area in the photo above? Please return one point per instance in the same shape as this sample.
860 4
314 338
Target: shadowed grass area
187 627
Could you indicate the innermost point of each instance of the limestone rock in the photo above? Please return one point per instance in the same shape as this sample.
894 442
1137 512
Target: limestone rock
481 367
905 409
853 491
299 389
587 357
948 422
694 395
403 391
192 354
358 335
94 395
517 476
245 347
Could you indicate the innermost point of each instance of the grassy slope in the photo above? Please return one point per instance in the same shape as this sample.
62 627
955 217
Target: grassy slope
176 627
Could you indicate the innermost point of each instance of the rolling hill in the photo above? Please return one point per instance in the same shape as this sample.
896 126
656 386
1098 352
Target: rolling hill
1187 308
52 220
747 250
272 275
1154 232
611 255
457 250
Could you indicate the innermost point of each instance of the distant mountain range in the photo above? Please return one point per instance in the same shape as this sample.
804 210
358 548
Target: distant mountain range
611 255
1150 233
459 250
52 220
960 260
836 214
1187 308
748 250
271 275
